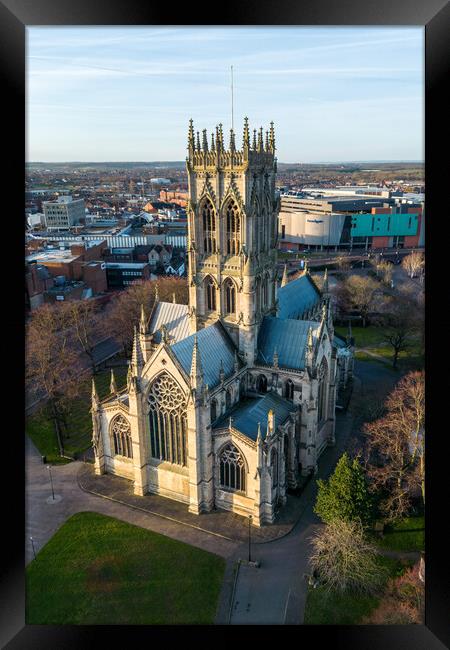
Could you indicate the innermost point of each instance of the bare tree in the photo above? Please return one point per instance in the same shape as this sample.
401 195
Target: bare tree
401 323
357 293
384 270
342 263
395 447
84 321
124 311
52 364
344 560
413 263
403 601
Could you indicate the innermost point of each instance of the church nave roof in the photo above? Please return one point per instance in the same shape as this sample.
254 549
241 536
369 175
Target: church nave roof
215 348
246 416
296 297
174 317
287 338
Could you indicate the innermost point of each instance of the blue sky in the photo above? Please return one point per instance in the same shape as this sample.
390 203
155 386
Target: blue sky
127 93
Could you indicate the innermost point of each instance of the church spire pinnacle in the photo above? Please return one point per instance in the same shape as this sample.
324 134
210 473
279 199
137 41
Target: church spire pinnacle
232 141
205 141
259 447
260 140
325 281
142 322
246 138
137 361
254 139
310 338
198 142
272 138
284 279
156 293
191 142
267 141
95 399
196 366
174 298
113 385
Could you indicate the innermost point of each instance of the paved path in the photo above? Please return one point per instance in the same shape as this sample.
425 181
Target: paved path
43 518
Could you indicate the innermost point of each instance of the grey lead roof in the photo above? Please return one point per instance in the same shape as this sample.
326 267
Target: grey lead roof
296 297
214 345
286 337
174 317
247 415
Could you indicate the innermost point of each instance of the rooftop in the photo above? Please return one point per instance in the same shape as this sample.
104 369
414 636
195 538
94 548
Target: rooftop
296 297
287 338
246 417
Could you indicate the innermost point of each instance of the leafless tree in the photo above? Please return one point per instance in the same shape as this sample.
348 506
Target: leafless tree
357 293
401 321
403 601
124 310
384 270
413 263
85 322
344 560
52 364
395 447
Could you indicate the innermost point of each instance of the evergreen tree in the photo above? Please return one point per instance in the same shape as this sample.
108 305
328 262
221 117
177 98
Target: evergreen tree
345 495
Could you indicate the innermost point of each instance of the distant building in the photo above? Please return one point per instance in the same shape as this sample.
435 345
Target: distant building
80 263
37 281
349 221
63 213
122 274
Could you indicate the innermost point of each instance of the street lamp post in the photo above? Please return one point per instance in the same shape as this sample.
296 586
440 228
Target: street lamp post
32 546
250 519
51 480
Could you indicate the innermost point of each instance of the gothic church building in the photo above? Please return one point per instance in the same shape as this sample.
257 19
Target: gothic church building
230 399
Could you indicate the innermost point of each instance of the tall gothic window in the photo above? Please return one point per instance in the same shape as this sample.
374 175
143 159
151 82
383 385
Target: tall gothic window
232 469
265 292
209 227
210 294
121 433
322 393
213 410
233 225
230 297
168 426
274 466
261 384
289 389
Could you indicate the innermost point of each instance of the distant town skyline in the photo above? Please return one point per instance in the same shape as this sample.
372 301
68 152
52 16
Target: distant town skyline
118 94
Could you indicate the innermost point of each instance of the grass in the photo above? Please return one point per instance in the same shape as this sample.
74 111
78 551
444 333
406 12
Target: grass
77 439
372 338
325 607
406 535
98 570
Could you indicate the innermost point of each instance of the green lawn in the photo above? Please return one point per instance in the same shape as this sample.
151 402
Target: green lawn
41 428
372 338
406 535
98 570
325 607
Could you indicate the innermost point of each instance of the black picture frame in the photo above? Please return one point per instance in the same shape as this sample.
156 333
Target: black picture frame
15 16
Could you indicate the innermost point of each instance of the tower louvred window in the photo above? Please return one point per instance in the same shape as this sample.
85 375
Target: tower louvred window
210 294
233 225
209 227
230 297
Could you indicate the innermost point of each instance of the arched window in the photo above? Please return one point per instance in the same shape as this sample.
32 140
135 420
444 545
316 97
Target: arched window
210 294
232 469
261 384
274 466
121 433
168 424
265 292
230 297
228 399
213 410
289 389
233 226
209 227
322 392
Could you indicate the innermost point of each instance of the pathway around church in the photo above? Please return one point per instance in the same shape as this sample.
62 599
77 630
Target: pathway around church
275 593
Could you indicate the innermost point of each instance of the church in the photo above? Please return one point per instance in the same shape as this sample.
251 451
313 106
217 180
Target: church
231 399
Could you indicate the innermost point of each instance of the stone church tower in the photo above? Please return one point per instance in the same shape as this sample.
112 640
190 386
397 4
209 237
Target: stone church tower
232 233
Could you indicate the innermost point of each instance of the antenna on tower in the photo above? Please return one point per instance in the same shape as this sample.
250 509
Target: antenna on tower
232 115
